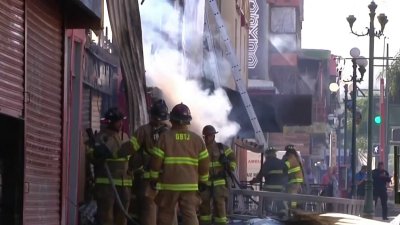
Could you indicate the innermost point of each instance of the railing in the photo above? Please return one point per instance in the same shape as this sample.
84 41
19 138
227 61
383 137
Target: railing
245 204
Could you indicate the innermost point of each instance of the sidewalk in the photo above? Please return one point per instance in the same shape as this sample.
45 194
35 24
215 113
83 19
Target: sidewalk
393 211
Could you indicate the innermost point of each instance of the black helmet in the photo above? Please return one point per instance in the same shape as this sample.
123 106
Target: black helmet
159 110
289 147
181 114
270 151
113 115
209 130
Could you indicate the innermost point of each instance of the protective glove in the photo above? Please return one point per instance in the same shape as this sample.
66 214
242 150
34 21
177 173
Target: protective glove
202 187
101 151
224 160
153 184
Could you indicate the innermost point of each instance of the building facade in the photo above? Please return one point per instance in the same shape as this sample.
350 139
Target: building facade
33 102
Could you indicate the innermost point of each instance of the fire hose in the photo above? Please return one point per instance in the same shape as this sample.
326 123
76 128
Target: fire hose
93 144
119 202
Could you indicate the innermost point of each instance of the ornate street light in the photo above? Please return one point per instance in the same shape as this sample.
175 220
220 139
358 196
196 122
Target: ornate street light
382 18
359 62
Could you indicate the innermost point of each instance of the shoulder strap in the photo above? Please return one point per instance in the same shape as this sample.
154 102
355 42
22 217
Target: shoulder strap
221 148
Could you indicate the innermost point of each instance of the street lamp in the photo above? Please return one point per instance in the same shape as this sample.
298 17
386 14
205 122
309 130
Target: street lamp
382 18
360 63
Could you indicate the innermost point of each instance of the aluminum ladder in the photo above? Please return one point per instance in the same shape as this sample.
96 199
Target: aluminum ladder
236 71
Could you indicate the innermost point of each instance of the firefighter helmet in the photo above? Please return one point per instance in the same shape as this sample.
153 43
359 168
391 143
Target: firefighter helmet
209 130
113 115
159 110
290 149
181 114
270 151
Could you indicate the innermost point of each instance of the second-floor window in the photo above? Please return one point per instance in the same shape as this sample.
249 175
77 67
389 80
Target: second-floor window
283 20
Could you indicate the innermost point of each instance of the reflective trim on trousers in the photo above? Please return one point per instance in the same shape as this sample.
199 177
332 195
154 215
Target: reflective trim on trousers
220 219
218 182
205 218
117 182
296 180
178 187
204 178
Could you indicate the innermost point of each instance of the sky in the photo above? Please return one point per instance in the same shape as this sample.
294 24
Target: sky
325 27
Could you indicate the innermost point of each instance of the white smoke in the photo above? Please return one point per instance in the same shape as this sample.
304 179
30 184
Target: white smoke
168 68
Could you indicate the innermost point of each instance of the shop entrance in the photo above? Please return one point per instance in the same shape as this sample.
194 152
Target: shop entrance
11 170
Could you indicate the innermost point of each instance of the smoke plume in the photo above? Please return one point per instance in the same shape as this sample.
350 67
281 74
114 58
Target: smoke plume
175 66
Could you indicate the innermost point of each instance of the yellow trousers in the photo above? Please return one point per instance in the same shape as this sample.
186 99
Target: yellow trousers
108 211
217 197
188 203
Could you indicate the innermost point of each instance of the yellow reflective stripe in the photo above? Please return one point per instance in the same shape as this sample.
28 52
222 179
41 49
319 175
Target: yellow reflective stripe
220 219
158 152
275 172
181 160
146 175
205 218
233 165
216 182
135 143
204 178
228 151
177 187
214 164
296 180
287 164
118 182
154 174
294 169
119 159
272 186
203 154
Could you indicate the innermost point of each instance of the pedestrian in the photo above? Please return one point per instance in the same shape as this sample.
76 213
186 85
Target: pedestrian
142 143
179 165
380 179
222 165
330 182
108 152
275 173
295 171
361 177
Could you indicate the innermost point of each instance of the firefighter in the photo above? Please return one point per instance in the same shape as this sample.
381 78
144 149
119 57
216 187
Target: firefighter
275 173
295 171
108 153
143 141
178 168
222 164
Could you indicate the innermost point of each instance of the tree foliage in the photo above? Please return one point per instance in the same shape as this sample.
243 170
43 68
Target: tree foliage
393 82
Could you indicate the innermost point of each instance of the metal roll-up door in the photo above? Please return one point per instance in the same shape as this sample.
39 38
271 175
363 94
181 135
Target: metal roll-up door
96 111
43 123
12 33
86 106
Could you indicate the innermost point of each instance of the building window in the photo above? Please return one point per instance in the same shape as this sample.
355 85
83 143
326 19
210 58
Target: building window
283 20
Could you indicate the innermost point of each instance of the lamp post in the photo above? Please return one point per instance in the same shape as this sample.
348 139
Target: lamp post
360 63
346 90
382 18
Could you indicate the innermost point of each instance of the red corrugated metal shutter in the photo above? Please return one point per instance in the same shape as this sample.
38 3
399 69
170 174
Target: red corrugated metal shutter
12 57
43 122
